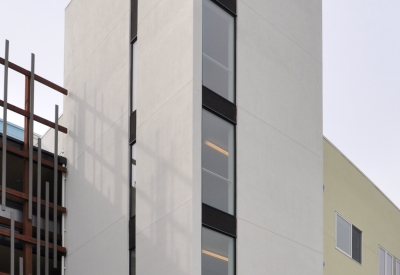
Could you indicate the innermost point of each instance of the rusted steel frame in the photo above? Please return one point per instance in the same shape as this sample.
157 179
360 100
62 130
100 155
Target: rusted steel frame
23 197
31 240
38 78
23 154
35 117
18 225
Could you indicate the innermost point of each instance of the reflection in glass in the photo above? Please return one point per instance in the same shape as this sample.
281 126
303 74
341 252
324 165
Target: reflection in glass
218 157
343 235
217 253
218 50
133 181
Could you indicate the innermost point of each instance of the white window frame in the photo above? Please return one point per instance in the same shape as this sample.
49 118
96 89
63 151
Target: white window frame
351 239
393 258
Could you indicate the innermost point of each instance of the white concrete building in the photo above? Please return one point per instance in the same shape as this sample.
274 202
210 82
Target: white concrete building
220 102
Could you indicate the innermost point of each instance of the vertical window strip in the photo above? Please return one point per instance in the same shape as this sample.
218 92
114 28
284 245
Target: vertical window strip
132 132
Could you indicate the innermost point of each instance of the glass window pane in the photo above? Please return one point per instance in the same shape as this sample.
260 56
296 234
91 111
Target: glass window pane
217 253
356 244
218 50
381 261
133 262
397 267
218 159
133 181
389 264
133 80
343 235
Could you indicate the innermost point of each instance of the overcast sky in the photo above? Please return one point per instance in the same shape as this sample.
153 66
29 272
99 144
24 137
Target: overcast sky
361 51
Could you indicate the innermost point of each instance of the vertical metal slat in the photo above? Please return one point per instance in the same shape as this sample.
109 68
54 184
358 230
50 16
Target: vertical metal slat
46 247
39 200
21 266
4 167
12 243
31 101
55 188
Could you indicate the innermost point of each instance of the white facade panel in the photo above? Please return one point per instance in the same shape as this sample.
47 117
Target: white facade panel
165 247
102 254
168 201
277 81
96 110
279 182
279 137
263 252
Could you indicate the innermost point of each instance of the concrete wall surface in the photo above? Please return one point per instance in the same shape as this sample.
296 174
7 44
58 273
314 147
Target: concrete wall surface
279 137
351 194
96 110
168 196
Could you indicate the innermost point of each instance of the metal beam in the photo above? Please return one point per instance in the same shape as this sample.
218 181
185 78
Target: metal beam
12 243
39 204
4 167
46 238
55 187
31 102
21 266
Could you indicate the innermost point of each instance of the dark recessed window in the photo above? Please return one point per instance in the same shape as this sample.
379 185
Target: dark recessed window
348 238
133 76
217 253
218 50
218 162
133 181
132 259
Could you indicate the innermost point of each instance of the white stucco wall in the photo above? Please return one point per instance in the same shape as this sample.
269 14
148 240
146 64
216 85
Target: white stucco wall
97 78
168 221
279 137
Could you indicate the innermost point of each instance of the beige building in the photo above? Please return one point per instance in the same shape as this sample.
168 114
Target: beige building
361 225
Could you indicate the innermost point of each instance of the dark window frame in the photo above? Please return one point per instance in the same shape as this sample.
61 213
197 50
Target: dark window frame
233 14
219 221
234 244
234 158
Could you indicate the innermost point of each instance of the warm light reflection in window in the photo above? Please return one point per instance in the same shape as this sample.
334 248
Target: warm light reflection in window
215 255
217 148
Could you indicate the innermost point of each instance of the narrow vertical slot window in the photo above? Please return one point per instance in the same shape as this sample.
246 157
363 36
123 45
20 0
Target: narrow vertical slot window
133 181
217 253
132 260
218 50
397 267
382 256
133 76
218 162
389 264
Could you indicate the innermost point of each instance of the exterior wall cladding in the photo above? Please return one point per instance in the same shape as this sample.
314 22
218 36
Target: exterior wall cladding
278 167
